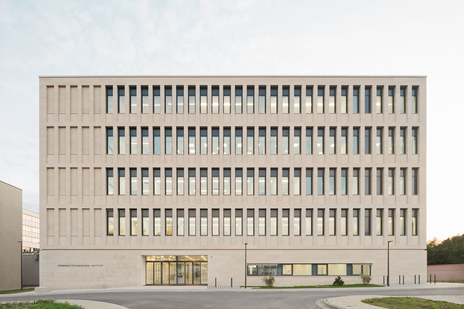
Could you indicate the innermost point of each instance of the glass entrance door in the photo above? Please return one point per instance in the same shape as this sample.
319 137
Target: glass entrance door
176 270
165 273
196 273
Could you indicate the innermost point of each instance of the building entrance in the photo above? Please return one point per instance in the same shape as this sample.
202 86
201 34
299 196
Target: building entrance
177 270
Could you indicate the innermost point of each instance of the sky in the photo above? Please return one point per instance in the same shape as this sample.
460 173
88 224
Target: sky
243 37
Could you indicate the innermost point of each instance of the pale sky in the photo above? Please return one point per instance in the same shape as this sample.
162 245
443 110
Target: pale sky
237 38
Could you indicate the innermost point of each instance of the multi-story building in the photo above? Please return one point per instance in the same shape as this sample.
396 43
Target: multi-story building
31 231
166 180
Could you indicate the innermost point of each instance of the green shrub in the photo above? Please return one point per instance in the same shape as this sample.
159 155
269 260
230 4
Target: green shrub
338 281
269 281
366 279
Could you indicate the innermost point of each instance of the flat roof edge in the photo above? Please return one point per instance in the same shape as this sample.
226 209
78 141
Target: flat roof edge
245 76
11 185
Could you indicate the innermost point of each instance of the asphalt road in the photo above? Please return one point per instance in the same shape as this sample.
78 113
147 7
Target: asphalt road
230 299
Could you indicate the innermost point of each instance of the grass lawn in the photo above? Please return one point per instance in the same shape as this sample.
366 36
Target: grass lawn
317 286
39 304
410 303
450 281
16 291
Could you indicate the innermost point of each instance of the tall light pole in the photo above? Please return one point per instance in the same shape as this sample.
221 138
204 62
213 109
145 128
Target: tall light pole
21 251
388 262
246 265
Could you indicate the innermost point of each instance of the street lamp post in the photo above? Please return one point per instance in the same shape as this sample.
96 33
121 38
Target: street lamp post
246 265
21 251
388 262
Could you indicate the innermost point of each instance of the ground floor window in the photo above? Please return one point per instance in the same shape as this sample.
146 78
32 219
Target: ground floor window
176 270
309 269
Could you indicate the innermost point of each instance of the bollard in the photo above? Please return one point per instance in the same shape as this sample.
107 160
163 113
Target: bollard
231 283
403 279
383 280
419 278
414 279
435 277
399 279
430 279
215 282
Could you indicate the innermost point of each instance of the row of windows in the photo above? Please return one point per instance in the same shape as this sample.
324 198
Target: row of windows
186 179
31 218
28 228
323 99
245 218
34 240
326 140
308 269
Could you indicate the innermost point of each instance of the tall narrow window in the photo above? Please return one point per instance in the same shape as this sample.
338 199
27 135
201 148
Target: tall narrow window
367 222
192 181
367 100
391 222
238 140
133 140
402 222
285 140
226 99
157 222
203 100
156 140
379 101
414 222
273 140
391 100
156 100
227 140
297 141
203 222
215 101
356 181
168 140
355 222
344 182
121 100
296 181
227 181
109 100
309 181
250 140
391 181
109 222
226 229
332 214
414 100
121 141
391 140
367 181
320 222
191 140
297 222
133 100
320 100
402 140
332 140
320 181
379 221
168 100
180 140
332 182
250 99
238 100
355 140
168 181
262 181
320 140
273 99
285 221
238 222
215 217
414 140
145 140
145 181
122 222
309 99
297 100
414 181
262 100
168 222
344 222
309 222
367 140
273 181
215 182
238 181
180 100
180 181
262 222
273 222
250 181
356 100
344 102
379 181
262 141
403 181
332 100
122 181
402 100
133 181
156 181
344 141
203 140
192 100
250 222
192 222
109 140
203 181
285 181
133 222
309 140
180 222
379 141
215 141
285 99
109 181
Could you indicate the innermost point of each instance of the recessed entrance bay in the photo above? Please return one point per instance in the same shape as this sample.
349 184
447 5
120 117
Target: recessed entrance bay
176 270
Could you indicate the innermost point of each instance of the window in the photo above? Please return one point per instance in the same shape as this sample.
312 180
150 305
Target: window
227 181
320 181
402 100
145 181
215 100
296 181
168 181
168 222
215 214
344 102
391 100
391 140
192 181
344 182
180 100
296 141
180 181
285 219
309 181
285 99
344 141
156 181
250 100
215 141
250 140
262 181
250 181
356 100
180 222
414 100
356 181
344 222
285 181
250 222
238 222
145 140
273 181
121 100
367 140
215 183
227 140
122 222
355 140
379 181
379 222
320 222
332 182
297 222
121 141
157 222
297 100
403 181
203 222
180 140
355 222
332 100
156 140
168 140
332 215
378 101
367 100
133 181
320 140
109 100
273 100
238 140
402 140
391 222
156 100
262 222
133 140
109 140
203 140
402 222
414 222
414 140
391 181
133 222
203 181
367 222
320 100
285 140
415 180
122 181
309 140
309 99
262 100
273 140
309 222
192 100
321 269
332 140
109 181
378 142
226 230
203 100
274 222
168 100
238 181
226 99
262 140
133 100
109 222
367 181
238 99
191 140
192 223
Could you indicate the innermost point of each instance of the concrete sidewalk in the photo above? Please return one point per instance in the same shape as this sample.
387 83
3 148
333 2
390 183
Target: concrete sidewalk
87 304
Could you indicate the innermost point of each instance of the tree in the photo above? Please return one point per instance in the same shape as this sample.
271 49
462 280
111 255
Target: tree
449 251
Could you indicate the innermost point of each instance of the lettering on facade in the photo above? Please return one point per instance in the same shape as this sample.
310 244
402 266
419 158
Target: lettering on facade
80 265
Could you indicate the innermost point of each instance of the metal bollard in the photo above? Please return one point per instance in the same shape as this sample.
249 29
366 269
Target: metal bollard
403 279
231 283
215 282
399 279
419 278
414 279
435 277
430 279
383 280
